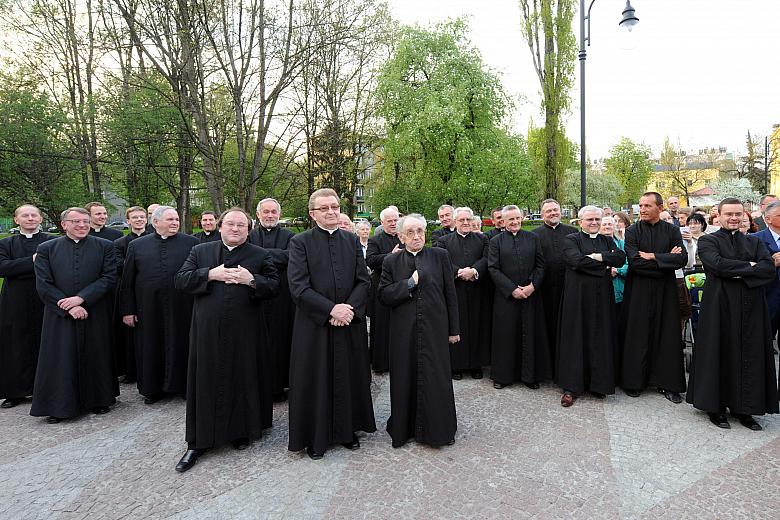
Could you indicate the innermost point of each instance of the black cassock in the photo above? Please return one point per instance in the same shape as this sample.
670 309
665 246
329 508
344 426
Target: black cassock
652 350
422 405
279 312
75 365
330 377
493 232
124 336
440 233
379 246
204 237
733 361
474 305
519 337
587 340
164 313
21 315
106 233
229 377
553 241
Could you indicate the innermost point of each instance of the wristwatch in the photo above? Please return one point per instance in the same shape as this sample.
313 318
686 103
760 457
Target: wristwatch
252 283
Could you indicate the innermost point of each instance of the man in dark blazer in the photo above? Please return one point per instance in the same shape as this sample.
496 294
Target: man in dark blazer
771 238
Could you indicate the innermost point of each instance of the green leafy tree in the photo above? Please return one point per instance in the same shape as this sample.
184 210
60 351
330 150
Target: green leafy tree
603 189
547 29
630 163
444 112
38 163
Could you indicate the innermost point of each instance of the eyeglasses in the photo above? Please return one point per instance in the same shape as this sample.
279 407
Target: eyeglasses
324 209
414 232
78 222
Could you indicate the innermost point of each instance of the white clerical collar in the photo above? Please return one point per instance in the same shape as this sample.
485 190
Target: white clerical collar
138 234
591 235
29 235
230 248
164 237
331 231
98 230
461 234
414 253
207 233
552 227
514 233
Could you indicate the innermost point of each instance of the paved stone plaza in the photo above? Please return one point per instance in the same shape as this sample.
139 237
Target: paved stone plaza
518 454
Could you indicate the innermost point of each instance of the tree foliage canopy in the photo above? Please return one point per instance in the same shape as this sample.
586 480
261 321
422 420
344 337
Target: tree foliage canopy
630 163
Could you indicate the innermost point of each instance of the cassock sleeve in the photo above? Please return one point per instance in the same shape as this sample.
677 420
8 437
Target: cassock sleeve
481 265
615 257
191 278
13 266
577 261
393 290
93 292
359 295
374 258
267 280
537 274
311 302
49 293
450 296
669 260
754 276
636 262
127 301
504 284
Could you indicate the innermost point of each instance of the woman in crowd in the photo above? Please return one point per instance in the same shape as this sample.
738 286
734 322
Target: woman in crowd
747 225
609 227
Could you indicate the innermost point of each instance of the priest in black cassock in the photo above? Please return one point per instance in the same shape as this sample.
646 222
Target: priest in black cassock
446 220
733 360
330 377
124 337
652 350
160 313
379 246
498 222
469 255
98 217
208 226
229 380
519 337
587 341
279 312
21 311
552 236
74 276
419 286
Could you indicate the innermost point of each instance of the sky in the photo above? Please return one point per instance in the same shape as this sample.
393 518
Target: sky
702 72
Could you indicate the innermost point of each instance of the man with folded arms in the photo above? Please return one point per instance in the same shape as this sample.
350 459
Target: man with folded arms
733 364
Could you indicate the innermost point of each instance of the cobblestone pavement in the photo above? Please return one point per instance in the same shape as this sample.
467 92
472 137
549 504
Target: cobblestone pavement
518 454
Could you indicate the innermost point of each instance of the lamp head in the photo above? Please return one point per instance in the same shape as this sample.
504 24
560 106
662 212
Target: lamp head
629 17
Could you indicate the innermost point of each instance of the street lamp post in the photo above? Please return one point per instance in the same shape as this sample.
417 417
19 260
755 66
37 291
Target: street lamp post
629 21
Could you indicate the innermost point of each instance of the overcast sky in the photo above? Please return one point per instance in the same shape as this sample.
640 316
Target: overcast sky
702 72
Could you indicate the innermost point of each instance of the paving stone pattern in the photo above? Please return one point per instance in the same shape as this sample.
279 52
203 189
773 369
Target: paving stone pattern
518 454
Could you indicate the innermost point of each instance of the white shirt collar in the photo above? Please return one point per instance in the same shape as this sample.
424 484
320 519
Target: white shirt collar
414 253
230 248
29 235
330 231
774 235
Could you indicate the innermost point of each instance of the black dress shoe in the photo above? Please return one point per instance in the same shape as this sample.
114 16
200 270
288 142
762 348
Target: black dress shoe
188 460
100 410
632 393
499 386
127 380
53 420
450 442
748 422
476 374
598 395
280 397
674 397
314 455
152 399
457 375
719 420
240 444
398 444
10 403
353 444
532 386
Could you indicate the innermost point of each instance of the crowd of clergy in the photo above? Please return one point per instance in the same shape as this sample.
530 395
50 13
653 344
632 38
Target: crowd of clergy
244 314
